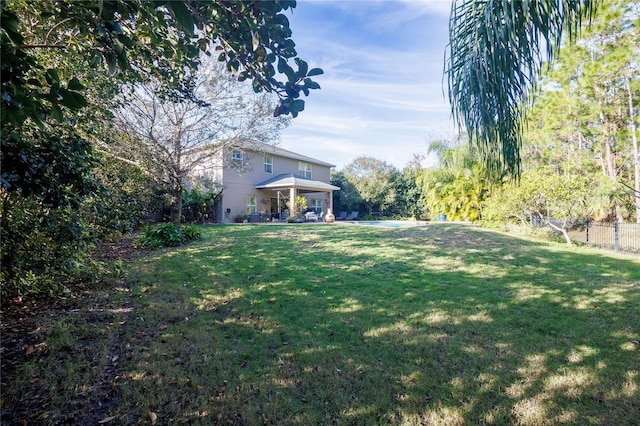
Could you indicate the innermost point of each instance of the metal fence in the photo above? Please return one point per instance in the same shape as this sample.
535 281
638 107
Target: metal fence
614 236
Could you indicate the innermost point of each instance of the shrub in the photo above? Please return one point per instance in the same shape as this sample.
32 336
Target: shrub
199 205
168 235
56 204
191 233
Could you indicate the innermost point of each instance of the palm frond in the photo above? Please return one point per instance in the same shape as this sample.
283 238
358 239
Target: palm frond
495 55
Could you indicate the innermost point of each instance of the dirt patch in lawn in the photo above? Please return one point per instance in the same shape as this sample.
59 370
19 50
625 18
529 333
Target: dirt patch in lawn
33 334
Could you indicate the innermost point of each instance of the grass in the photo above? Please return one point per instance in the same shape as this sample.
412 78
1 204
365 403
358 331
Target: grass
310 324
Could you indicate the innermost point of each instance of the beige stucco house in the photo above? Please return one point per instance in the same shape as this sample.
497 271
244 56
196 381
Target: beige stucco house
258 181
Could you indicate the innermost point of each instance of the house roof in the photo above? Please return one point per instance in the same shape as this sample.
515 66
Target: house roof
262 148
288 180
271 149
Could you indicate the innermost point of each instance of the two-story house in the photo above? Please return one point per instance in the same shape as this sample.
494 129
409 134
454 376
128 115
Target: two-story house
264 179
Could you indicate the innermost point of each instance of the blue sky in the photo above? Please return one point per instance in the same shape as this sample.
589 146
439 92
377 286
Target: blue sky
383 90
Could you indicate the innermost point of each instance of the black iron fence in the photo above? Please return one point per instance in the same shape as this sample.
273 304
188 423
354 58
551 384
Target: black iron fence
614 236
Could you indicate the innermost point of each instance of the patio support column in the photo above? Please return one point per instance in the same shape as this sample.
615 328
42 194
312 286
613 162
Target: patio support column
292 200
331 201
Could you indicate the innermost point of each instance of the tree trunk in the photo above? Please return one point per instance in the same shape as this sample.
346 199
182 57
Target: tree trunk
636 152
562 229
609 160
606 136
176 196
176 206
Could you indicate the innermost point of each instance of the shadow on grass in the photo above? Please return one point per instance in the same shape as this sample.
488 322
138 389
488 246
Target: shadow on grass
443 324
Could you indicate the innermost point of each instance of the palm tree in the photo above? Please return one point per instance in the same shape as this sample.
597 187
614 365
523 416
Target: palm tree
460 184
496 50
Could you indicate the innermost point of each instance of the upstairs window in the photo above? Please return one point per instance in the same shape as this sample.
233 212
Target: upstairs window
304 169
268 163
236 158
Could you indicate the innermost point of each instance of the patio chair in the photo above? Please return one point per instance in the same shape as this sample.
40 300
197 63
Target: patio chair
341 216
353 216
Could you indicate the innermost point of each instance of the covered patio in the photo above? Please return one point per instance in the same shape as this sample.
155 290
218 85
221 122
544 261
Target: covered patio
293 185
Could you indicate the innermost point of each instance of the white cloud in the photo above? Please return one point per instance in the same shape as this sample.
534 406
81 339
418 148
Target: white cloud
430 7
382 90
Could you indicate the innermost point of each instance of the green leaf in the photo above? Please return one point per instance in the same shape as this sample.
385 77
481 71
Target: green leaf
303 67
284 68
112 65
293 90
257 87
315 71
56 113
36 119
280 19
233 66
72 100
51 76
95 59
182 16
10 23
286 4
297 106
74 84
310 84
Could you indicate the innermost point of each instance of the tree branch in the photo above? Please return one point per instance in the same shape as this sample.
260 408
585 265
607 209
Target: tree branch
41 46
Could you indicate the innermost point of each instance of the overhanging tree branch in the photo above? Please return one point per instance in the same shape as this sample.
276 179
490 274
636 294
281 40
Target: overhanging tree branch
494 60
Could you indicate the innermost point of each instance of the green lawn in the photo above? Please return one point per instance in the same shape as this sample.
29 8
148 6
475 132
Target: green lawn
325 324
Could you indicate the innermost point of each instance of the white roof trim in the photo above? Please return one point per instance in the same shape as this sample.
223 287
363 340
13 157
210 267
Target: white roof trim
289 181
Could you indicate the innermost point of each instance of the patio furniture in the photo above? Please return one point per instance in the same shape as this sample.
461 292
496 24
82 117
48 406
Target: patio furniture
353 216
341 216
314 217
254 217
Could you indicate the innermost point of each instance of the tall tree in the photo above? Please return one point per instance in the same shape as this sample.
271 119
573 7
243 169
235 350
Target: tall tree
373 180
613 46
408 201
347 199
584 116
495 56
458 187
633 129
